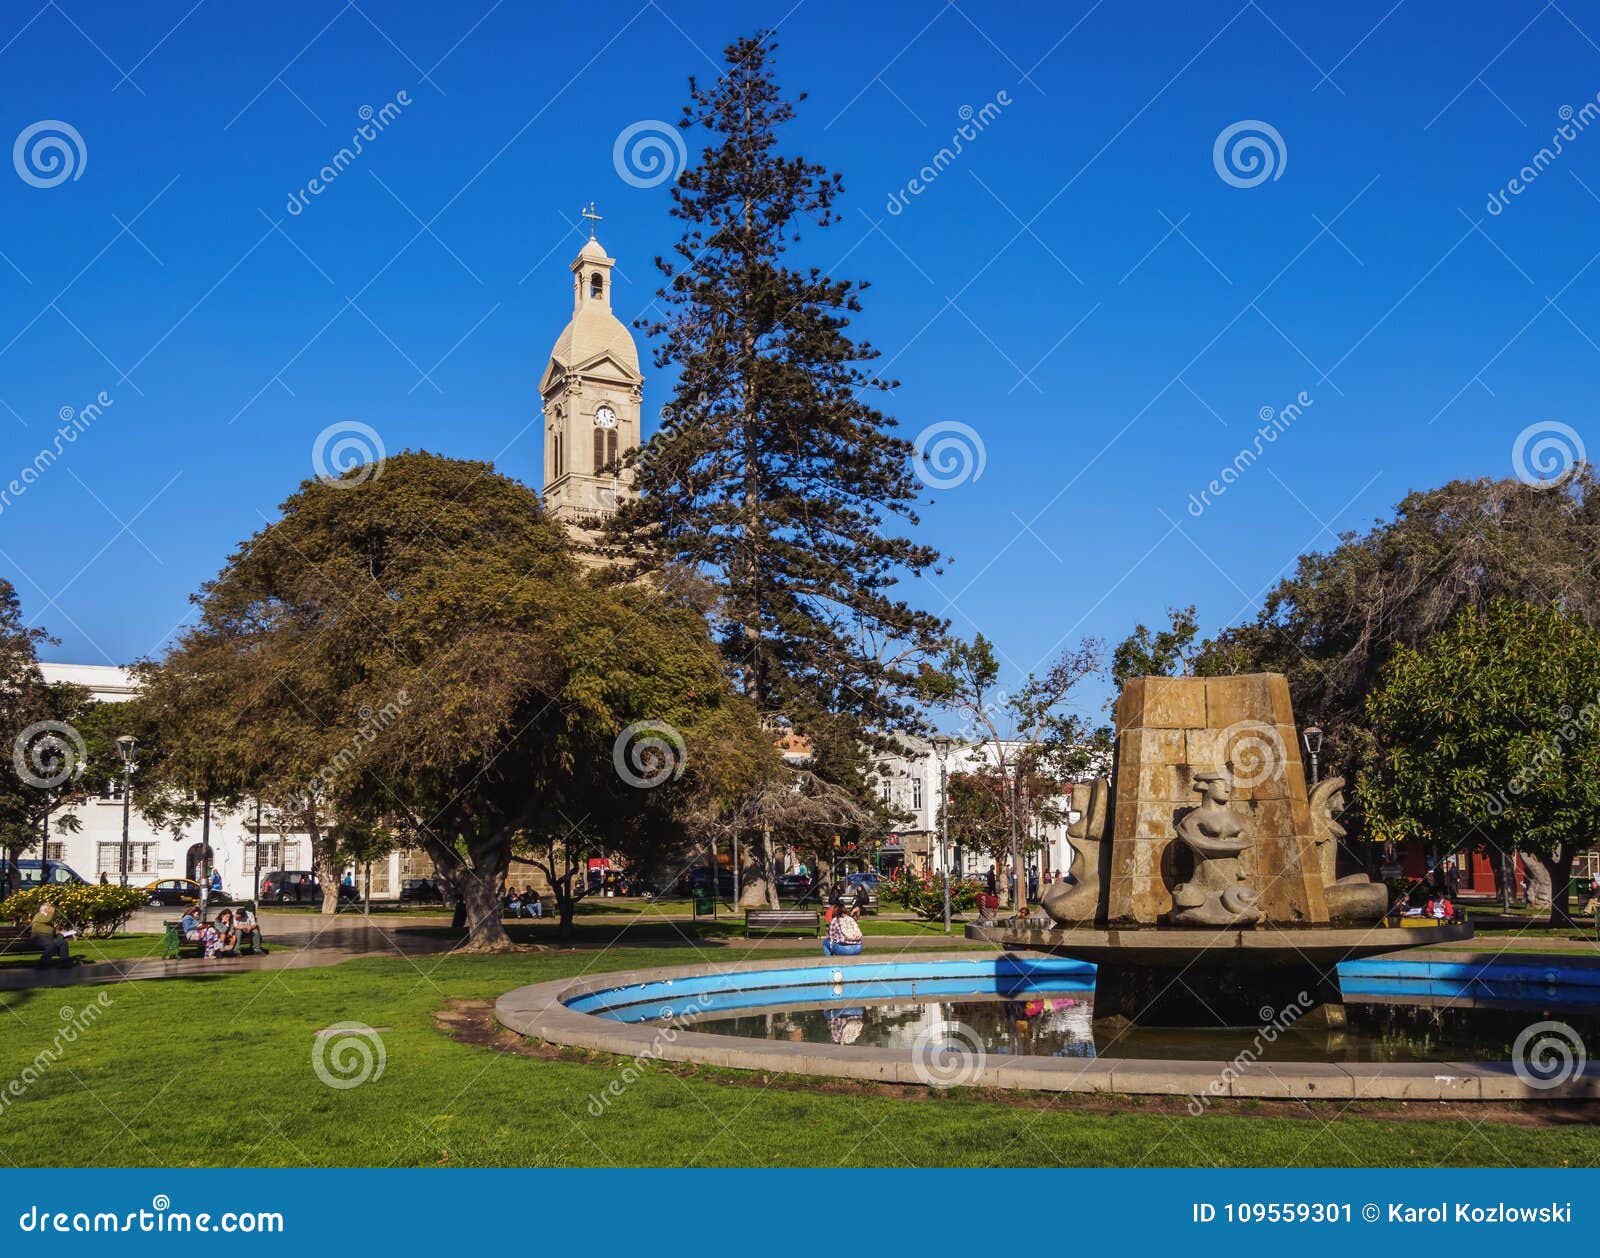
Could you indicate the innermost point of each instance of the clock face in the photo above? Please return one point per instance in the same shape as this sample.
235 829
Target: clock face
605 417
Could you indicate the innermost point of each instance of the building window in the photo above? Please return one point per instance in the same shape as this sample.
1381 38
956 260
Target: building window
916 793
597 285
605 448
54 851
141 859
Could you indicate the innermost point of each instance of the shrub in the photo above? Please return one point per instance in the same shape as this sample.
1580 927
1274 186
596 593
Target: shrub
93 910
923 894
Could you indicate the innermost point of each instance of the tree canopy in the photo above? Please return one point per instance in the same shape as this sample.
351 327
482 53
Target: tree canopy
1488 736
417 650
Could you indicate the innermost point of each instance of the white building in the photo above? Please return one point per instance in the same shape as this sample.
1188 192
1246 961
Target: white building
153 854
908 782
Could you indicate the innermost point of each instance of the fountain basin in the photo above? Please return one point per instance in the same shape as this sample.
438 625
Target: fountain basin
589 1012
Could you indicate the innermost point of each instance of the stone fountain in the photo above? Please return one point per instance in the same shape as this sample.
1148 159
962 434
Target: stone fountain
1226 911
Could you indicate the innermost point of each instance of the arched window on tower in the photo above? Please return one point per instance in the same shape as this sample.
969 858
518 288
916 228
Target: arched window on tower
611 445
597 285
599 450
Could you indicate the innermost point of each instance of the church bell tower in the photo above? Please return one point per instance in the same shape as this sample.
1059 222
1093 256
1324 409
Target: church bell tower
592 392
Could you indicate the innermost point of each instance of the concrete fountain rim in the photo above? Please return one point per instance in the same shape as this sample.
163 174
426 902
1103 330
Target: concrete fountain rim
540 1011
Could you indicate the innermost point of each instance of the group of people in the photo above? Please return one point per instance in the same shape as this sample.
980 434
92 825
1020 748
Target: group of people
524 903
226 936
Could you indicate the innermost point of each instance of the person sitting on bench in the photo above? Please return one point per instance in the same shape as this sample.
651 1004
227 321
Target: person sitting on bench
248 931
844 934
51 943
227 935
198 932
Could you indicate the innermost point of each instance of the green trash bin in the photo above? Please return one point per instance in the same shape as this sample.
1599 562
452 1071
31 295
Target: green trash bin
704 903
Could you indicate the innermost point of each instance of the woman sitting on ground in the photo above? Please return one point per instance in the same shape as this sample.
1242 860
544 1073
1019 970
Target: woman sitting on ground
844 934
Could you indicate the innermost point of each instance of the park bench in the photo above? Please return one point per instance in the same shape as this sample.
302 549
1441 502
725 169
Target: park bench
174 946
782 919
16 937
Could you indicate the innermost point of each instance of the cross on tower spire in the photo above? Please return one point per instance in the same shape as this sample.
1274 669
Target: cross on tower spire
592 217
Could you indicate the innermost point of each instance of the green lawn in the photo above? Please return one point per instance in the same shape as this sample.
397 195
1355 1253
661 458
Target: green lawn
218 1070
118 948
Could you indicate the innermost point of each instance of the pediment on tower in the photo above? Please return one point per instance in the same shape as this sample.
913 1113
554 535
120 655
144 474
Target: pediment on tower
602 367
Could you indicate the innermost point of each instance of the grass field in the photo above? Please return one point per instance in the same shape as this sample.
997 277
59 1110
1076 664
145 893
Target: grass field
219 1070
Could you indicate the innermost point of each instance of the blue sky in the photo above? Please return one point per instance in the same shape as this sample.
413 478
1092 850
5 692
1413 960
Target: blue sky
1081 286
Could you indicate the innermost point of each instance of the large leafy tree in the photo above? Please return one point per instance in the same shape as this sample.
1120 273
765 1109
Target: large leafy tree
1334 624
42 747
1489 736
1150 652
413 647
776 475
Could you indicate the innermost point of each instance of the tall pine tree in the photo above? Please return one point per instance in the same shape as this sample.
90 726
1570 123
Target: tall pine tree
773 473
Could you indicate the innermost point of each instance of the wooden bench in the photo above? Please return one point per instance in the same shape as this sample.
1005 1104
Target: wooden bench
173 944
16 937
782 919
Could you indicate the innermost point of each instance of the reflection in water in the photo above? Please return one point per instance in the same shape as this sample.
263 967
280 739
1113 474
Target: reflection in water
1063 1026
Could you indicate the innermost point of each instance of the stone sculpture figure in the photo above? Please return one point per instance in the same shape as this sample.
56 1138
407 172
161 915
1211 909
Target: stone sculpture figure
1081 902
1216 893
1354 898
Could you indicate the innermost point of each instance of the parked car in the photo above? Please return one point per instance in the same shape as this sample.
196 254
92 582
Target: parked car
31 873
177 892
862 890
699 879
290 886
799 887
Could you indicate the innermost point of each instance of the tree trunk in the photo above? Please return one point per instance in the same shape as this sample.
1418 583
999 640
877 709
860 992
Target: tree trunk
768 860
756 889
479 888
322 863
1538 880
1558 869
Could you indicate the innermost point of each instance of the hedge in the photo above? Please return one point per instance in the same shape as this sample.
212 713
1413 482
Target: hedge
94 910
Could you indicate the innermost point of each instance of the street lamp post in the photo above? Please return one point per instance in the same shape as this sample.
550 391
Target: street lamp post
127 745
941 748
1312 737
